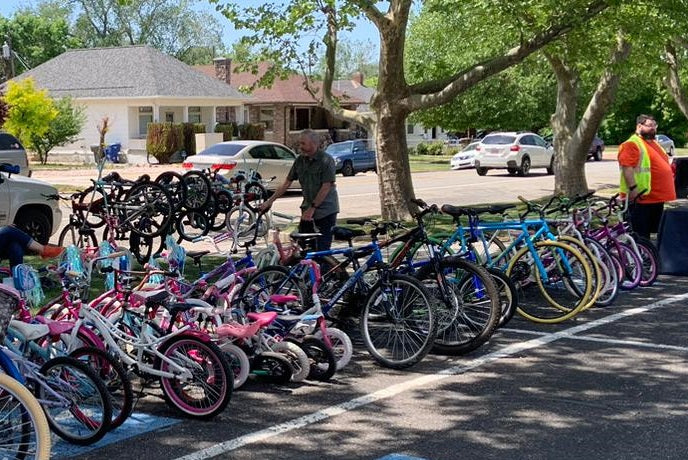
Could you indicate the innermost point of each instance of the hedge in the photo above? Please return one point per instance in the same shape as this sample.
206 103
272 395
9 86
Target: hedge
164 139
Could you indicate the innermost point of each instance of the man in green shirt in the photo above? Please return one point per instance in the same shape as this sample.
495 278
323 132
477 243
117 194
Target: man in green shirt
315 171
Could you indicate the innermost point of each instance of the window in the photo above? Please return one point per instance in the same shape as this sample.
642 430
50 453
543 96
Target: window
539 141
9 142
169 117
283 154
263 152
266 116
499 139
409 128
300 119
194 114
145 117
228 150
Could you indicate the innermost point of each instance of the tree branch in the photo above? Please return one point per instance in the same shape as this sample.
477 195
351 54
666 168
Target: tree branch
673 81
434 93
370 10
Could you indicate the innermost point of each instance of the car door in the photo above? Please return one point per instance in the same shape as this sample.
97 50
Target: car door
370 154
5 203
284 159
358 152
543 150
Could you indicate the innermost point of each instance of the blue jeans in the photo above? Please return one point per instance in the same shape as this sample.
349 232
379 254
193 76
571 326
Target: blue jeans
13 244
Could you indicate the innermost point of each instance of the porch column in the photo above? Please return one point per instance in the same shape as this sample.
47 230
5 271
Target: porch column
185 114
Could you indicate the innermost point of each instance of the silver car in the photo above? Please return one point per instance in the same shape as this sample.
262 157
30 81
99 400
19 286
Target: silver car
667 144
12 152
270 159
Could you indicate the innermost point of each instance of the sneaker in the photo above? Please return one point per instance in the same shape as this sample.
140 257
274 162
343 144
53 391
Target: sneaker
50 251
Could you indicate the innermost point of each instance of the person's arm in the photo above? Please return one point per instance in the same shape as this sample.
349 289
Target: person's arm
633 191
318 200
278 193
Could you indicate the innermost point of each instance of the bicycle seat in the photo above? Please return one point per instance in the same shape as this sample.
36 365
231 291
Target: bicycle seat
283 299
346 234
30 331
304 236
263 319
239 331
197 255
457 211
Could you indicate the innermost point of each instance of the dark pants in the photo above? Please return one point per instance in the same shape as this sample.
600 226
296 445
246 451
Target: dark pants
13 244
645 217
323 226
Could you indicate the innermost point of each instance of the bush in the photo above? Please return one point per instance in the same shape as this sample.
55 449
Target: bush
422 149
227 129
435 148
164 140
199 128
452 151
189 138
412 151
252 131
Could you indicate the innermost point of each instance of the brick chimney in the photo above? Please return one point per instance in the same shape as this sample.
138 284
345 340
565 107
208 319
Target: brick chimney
357 77
223 69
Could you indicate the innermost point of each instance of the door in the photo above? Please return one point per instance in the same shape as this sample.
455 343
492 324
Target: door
5 200
544 151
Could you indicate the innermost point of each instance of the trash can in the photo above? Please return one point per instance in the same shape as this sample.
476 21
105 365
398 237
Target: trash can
112 152
672 241
680 167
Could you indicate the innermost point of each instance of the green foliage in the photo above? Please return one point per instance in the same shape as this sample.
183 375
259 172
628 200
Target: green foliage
4 110
63 129
412 151
189 138
422 149
199 128
163 140
31 111
452 151
228 130
252 131
351 56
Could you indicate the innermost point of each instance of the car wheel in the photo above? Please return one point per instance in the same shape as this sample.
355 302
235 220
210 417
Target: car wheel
598 154
525 167
35 223
512 171
348 169
481 171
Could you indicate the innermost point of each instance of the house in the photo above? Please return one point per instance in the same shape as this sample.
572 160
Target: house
132 86
286 108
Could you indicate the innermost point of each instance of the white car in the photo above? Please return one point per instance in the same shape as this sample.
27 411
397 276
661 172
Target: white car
27 203
270 159
465 158
518 153
667 144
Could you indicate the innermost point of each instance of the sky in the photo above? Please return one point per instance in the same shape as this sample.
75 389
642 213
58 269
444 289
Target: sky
365 31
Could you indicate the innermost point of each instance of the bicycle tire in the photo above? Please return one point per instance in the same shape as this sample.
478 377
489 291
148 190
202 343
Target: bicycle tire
73 234
198 190
94 418
86 200
174 183
116 380
340 343
323 364
550 311
146 209
297 357
240 222
255 293
238 361
191 225
272 367
423 319
213 373
18 407
610 272
649 256
508 296
597 277
629 263
469 317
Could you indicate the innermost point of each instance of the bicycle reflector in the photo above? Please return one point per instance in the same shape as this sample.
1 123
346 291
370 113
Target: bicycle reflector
187 165
224 166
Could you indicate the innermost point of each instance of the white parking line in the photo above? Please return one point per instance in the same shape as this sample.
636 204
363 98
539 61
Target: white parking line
425 380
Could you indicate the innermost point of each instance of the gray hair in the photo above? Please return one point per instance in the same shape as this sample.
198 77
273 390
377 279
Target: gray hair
312 135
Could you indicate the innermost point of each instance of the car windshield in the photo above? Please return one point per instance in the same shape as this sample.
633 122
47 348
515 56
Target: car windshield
499 139
338 149
470 147
223 149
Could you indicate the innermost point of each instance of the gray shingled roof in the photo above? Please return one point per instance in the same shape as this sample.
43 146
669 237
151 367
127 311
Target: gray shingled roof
132 71
358 91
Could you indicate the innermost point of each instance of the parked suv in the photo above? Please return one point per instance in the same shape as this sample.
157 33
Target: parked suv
24 202
12 152
515 152
353 156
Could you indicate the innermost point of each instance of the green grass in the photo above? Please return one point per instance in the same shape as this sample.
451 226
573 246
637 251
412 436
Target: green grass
426 163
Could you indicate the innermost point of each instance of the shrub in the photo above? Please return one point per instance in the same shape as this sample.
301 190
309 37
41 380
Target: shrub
252 131
189 138
452 151
435 148
227 130
422 149
199 128
163 140
412 151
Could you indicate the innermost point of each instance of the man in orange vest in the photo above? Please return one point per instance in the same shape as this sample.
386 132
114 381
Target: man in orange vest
645 171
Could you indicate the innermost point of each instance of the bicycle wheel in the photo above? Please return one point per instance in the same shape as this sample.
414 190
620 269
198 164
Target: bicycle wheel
596 269
508 295
208 390
255 293
543 281
467 304
25 433
77 404
298 359
256 194
241 222
609 271
272 367
322 362
146 209
115 378
340 343
174 184
191 225
238 361
398 322
91 205
629 263
77 235
649 257
197 190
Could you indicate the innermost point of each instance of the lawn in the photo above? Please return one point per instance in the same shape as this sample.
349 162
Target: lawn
425 163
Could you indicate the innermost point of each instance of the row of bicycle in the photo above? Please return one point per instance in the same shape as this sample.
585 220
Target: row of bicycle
141 213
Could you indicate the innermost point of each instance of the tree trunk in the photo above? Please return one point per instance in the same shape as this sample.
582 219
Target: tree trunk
396 186
673 81
569 171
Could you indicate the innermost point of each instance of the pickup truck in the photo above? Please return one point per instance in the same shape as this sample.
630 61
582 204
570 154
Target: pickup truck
25 202
353 156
